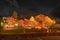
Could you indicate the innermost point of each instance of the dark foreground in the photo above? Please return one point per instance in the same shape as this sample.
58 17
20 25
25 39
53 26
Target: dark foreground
31 36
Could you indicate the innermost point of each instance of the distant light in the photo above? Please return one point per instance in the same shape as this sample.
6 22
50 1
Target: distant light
16 24
1 23
30 25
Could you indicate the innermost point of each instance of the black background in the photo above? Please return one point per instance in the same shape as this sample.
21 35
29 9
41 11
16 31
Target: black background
26 8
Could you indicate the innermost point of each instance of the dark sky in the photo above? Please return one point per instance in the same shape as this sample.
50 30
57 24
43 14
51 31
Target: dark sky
29 7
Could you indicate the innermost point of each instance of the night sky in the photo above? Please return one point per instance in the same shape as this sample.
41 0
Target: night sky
26 8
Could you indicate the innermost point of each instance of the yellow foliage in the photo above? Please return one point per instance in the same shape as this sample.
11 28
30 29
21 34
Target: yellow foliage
32 18
48 19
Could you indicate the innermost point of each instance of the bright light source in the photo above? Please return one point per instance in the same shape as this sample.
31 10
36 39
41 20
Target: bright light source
30 25
16 24
1 23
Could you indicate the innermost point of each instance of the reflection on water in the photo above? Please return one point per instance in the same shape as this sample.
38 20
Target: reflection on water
29 38
20 38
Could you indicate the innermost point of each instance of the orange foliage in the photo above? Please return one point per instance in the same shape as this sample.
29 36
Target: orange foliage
38 22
